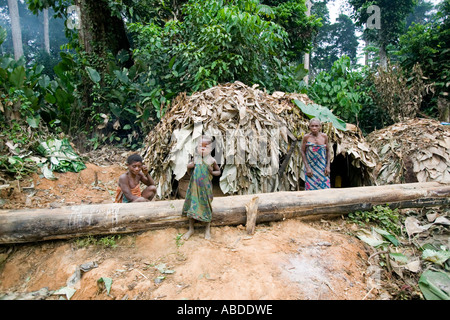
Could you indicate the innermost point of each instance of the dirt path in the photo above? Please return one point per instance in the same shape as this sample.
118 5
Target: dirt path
283 260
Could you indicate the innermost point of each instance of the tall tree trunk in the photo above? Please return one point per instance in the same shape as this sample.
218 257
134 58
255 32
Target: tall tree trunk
307 54
366 54
15 28
383 56
46 33
101 32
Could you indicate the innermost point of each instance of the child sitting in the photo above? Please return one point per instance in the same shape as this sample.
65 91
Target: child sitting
129 189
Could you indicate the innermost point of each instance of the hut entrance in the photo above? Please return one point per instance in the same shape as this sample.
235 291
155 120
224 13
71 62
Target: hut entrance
339 176
344 174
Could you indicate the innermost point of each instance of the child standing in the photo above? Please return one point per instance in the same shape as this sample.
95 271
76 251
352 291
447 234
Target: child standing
316 156
129 189
199 194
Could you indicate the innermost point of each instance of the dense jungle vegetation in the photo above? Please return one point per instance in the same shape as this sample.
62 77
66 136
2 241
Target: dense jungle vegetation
105 71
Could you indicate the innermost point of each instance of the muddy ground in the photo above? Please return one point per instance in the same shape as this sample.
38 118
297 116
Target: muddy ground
289 259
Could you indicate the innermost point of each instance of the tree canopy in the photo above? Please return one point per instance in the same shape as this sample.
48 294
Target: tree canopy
123 62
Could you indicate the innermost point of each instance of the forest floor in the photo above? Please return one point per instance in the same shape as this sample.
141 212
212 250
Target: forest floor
290 259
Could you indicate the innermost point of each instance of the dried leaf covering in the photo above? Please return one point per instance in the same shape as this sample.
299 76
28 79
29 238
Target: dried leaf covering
416 150
255 134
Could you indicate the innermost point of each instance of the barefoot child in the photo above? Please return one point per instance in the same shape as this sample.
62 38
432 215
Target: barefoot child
316 156
199 194
129 189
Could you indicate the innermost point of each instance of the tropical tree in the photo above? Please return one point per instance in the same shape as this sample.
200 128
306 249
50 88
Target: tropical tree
126 60
291 15
339 89
16 29
421 13
384 20
427 46
332 42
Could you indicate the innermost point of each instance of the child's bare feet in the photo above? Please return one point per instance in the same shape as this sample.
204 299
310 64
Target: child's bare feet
187 235
191 230
208 232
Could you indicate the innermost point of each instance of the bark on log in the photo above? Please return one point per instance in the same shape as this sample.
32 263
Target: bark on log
29 225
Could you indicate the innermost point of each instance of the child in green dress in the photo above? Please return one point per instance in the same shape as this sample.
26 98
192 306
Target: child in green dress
199 194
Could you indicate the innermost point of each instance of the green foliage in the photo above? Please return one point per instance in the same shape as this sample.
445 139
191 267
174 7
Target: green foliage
339 90
20 89
102 241
104 283
392 18
372 116
178 240
404 255
182 46
382 216
61 157
216 42
427 45
332 41
322 113
291 15
15 156
62 109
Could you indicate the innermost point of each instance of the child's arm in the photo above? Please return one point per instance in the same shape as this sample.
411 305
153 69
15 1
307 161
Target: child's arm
190 166
145 177
214 169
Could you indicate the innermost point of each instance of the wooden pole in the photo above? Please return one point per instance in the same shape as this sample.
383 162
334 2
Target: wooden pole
252 214
29 225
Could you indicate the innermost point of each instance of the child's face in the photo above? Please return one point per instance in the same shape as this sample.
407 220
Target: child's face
204 148
135 167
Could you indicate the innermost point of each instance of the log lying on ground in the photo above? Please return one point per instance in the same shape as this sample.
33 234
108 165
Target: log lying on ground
29 225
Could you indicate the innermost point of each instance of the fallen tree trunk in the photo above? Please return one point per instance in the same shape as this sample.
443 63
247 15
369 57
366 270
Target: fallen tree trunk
19 226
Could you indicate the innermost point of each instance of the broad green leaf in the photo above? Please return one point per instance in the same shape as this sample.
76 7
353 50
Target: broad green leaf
387 236
372 241
322 113
33 122
399 257
122 76
50 98
67 291
435 285
48 174
438 257
17 76
93 74
13 160
108 283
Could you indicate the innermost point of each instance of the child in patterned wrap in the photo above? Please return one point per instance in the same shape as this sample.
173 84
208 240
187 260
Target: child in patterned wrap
316 155
199 194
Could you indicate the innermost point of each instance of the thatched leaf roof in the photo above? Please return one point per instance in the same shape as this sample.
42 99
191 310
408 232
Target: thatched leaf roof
416 150
255 133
